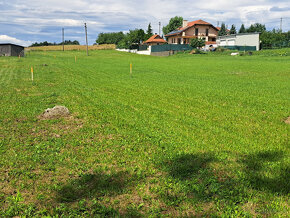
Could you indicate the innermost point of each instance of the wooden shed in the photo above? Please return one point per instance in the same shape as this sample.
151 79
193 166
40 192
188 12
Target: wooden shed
8 49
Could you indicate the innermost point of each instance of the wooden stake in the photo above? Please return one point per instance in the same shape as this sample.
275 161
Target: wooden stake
19 56
131 69
32 74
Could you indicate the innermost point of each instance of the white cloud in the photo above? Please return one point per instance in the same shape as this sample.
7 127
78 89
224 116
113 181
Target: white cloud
8 39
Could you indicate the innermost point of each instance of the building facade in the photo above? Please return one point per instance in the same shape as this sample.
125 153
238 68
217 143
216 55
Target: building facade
242 39
11 50
194 29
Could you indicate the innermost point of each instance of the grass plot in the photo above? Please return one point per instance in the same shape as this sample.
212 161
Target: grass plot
186 135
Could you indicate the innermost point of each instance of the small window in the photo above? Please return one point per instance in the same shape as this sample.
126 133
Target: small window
196 31
206 32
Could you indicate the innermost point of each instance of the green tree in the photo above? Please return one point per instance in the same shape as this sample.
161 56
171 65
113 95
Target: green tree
257 27
136 36
223 30
233 30
197 42
273 39
174 23
110 38
149 32
242 29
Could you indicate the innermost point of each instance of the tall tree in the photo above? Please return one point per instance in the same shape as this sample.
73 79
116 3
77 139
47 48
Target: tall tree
242 29
257 27
223 30
174 23
233 30
149 32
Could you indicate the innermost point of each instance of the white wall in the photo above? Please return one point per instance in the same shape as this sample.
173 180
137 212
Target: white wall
248 40
251 39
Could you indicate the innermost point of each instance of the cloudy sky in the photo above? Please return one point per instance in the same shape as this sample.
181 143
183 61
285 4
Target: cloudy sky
24 22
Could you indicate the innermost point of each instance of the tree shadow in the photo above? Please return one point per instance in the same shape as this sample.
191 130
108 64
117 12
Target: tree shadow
265 171
95 185
200 178
82 195
200 181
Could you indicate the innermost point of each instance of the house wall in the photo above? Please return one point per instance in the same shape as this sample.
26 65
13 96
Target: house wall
201 31
155 43
5 50
240 40
212 33
17 50
249 40
11 50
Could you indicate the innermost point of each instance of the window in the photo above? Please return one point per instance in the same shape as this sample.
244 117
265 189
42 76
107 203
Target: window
196 31
206 32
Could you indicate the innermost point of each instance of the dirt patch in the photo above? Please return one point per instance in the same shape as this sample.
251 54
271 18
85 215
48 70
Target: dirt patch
68 125
287 121
54 113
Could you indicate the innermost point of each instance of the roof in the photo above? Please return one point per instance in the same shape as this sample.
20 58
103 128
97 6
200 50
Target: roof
190 24
11 44
239 34
155 38
220 29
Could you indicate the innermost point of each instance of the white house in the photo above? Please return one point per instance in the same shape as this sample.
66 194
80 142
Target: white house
242 39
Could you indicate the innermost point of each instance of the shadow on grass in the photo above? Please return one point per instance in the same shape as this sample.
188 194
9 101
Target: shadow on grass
265 172
90 188
200 178
198 181
95 185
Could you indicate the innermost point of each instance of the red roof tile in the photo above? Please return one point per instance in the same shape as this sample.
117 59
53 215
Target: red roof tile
154 39
190 24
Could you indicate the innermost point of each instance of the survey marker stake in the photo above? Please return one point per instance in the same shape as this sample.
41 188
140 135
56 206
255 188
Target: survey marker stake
131 69
32 74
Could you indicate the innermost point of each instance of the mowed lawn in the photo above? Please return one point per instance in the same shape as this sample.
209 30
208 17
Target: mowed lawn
186 135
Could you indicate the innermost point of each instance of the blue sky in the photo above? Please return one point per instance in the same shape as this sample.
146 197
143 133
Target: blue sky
24 22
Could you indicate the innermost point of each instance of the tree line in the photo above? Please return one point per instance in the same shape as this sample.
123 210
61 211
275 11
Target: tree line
45 43
129 40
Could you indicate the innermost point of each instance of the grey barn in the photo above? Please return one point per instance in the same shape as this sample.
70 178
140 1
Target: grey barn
8 49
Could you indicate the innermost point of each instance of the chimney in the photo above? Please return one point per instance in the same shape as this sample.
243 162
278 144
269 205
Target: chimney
185 23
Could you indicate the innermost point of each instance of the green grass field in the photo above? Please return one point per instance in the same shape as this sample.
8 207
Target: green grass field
186 135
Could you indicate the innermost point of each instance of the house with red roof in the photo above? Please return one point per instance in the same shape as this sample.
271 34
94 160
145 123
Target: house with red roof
155 40
194 29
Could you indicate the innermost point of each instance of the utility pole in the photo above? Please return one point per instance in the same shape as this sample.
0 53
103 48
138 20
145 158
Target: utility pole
159 28
281 20
62 39
218 24
87 39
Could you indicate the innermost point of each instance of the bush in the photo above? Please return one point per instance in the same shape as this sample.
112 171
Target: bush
197 42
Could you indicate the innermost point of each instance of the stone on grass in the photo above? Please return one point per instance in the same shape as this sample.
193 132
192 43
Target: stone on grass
287 121
55 112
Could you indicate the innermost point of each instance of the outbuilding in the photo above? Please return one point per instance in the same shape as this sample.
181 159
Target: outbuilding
155 40
250 41
8 49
